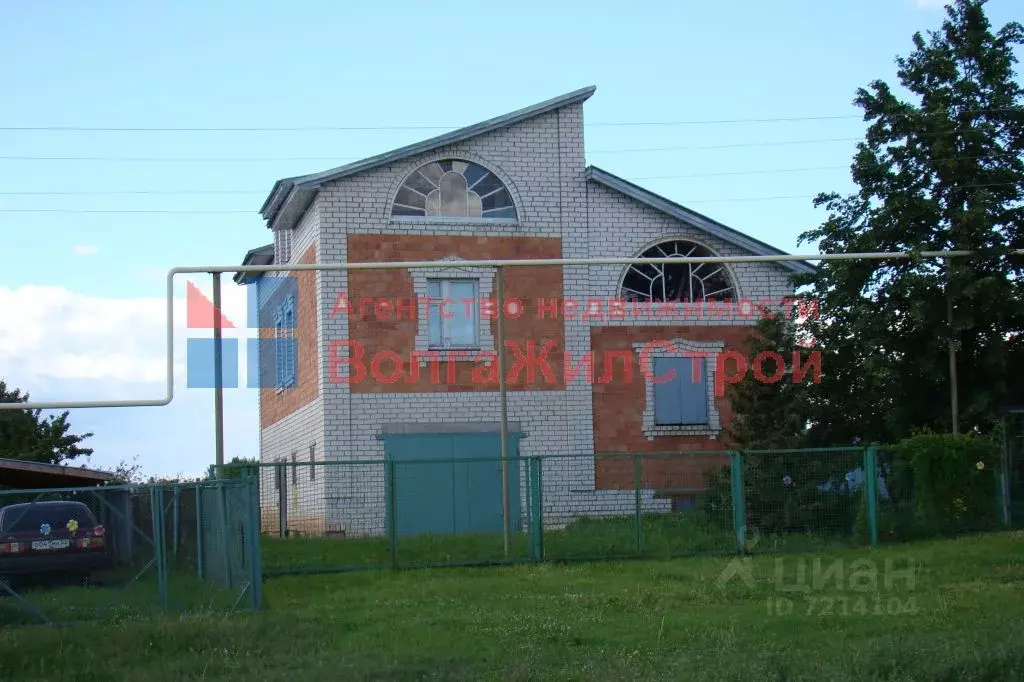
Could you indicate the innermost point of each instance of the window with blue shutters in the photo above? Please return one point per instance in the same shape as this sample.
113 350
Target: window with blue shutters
678 395
681 393
285 360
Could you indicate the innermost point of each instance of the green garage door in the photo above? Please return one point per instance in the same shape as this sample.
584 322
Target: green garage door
461 494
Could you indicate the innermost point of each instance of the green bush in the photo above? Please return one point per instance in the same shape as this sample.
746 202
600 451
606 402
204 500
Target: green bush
953 479
715 502
238 467
789 492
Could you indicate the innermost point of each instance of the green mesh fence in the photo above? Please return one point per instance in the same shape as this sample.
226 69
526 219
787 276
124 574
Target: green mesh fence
913 504
422 511
803 499
117 552
1012 474
224 521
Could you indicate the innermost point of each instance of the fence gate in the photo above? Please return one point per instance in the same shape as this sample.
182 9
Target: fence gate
90 553
451 483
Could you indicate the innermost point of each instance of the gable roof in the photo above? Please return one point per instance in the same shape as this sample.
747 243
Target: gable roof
290 198
263 255
702 222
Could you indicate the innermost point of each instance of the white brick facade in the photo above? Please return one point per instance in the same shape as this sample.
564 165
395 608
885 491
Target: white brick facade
541 161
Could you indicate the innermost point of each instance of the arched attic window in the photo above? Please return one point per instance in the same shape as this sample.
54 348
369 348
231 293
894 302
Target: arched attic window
677 281
453 188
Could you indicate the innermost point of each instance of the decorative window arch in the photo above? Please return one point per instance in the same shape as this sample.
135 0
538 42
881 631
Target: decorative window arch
453 188
677 281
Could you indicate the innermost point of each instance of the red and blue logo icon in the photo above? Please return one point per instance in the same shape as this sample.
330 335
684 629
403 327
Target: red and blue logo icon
271 356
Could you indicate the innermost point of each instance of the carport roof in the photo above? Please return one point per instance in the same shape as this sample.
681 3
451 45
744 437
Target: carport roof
19 473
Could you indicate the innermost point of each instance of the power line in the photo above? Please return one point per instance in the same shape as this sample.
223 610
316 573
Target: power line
221 211
323 129
178 192
337 159
136 192
172 192
334 159
162 159
764 171
119 210
226 129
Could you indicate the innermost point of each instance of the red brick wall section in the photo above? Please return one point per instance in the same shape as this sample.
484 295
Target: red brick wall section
274 405
388 332
619 408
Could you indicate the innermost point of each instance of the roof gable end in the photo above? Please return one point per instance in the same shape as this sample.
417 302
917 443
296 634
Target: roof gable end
290 197
702 222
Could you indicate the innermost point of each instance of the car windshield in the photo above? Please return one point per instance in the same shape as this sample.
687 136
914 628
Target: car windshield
32 517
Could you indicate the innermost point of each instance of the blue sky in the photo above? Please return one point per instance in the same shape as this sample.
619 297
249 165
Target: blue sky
259 64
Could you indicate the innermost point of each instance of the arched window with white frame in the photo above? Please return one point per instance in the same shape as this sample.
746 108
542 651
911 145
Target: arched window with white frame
453 188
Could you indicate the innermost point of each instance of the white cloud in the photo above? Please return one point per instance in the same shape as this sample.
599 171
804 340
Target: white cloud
52 333
86 250
59 345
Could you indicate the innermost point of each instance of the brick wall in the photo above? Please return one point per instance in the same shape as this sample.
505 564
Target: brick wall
619 407
541 161
377 331
276 405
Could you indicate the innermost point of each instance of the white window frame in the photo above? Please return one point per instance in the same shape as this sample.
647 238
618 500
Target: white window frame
449 269
457 306
708 352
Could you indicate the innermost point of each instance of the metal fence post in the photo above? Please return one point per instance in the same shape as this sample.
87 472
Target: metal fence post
739 509
175 538
871 491
389 470
156 500
1004 475
222 504
282 501
199 530
637 478
253 540
537 508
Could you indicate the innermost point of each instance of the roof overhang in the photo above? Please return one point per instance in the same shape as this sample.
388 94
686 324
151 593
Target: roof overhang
263 255
23 474
290 198
702 222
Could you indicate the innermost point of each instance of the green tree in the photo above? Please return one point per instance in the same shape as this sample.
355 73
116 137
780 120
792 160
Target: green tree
236 468
126 473
26 434
940 170
772 414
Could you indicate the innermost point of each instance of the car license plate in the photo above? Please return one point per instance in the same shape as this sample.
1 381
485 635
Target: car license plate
51 544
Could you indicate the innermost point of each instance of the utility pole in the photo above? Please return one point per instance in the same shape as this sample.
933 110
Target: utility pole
503 399
218 377
953 397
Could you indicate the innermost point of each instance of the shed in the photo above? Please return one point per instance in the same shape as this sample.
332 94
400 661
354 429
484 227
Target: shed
19 473
112 507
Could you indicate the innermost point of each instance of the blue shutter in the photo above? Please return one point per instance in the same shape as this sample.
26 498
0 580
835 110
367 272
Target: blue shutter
278 351
694 394
435 327
291 343
668 395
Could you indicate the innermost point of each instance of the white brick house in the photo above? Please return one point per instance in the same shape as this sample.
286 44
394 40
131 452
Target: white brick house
513 187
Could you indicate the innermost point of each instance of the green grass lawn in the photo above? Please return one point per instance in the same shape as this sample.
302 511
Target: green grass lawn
961 619
125 595
661 535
